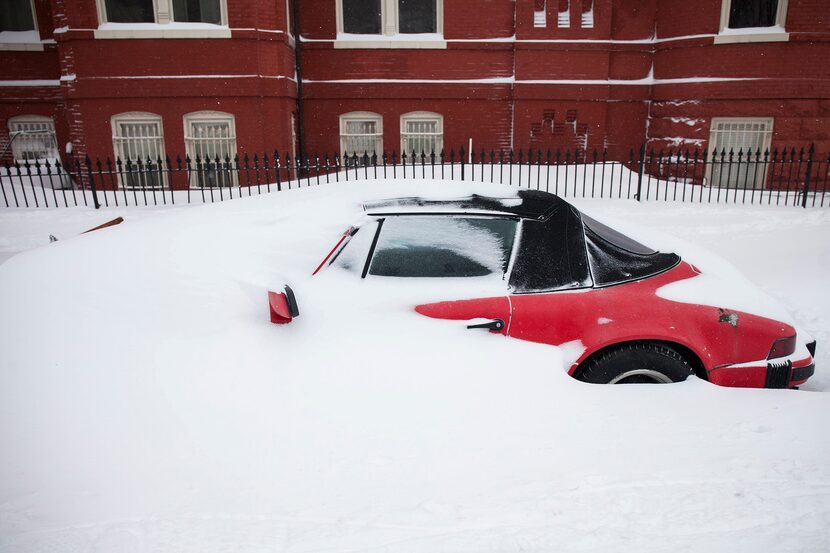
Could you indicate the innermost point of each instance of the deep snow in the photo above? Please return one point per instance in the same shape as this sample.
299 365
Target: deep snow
147 405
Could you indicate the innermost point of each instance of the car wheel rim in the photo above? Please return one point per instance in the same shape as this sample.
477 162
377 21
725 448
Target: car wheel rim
641 376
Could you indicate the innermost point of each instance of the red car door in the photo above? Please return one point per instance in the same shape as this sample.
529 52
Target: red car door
491 313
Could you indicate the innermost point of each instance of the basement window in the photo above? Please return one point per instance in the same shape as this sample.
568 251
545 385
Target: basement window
33 138
210 141
361 133
138 141
422 132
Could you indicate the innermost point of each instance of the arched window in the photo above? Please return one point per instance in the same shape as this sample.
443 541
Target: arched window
422 132
138 141
361 132
208 136
33 138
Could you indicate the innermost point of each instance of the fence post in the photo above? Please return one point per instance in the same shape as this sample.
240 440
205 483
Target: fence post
810 153
92 183
640 173
461 154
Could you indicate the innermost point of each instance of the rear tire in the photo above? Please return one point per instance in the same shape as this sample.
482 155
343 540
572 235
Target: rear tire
636 363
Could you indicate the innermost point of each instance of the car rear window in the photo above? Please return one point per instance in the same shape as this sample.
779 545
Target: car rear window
616 258
443 246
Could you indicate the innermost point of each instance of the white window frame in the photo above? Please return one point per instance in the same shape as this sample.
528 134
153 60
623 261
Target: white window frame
190 143
716 159
753 34
23 41
118 149
423 116
361 116
161 28
389 36
37 120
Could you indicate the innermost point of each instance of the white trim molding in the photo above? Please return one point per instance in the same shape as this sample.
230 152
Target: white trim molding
163 26
390 35
775 33
364 134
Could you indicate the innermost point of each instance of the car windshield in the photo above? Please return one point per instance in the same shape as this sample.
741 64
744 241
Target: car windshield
443 246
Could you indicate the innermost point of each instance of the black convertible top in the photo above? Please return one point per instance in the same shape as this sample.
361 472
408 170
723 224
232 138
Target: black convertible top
527 204
559 248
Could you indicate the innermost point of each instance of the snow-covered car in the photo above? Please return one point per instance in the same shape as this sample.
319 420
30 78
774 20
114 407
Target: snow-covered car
542 271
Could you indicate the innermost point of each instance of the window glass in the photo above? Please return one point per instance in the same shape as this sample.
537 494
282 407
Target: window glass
611 264
196 11
130 11
362 17
616 238
16 15
33 139
443 246
752 13
416 16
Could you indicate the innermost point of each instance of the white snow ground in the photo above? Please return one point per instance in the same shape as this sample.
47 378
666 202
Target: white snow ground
146 404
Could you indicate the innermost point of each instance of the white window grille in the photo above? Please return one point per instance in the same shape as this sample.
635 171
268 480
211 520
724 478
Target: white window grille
33 138
564 18
747 136
138 141
210 141
361 133
422 132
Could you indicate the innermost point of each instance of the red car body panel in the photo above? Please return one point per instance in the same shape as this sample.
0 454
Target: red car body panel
601 317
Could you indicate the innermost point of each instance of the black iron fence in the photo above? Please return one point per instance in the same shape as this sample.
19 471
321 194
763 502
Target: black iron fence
786 177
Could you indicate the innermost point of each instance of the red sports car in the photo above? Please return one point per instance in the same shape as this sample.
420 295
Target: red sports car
567 280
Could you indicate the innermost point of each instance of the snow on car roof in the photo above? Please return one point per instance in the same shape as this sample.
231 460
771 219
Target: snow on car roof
528 204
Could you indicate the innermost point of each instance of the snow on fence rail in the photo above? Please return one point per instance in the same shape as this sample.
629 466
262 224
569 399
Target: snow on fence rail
788 179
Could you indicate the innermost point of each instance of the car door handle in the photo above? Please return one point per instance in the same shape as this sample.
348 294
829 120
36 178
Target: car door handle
495 325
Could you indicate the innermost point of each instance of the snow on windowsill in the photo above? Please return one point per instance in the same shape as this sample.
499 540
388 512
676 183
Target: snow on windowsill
21 41
776 33
400 40
161 30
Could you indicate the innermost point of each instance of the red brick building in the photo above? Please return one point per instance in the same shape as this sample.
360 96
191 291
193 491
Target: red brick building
152 77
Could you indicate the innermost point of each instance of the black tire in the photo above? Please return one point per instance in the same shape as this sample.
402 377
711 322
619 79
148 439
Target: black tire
635 363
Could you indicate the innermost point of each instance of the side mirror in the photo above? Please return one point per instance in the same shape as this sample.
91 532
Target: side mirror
283 306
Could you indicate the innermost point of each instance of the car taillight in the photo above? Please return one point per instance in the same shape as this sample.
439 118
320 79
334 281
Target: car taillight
782 348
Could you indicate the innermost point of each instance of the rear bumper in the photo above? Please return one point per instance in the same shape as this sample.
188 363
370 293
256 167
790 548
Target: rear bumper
776 373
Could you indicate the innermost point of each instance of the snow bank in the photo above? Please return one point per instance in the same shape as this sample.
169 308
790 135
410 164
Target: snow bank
148 405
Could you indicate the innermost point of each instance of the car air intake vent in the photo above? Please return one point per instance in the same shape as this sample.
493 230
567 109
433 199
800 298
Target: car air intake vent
778 375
